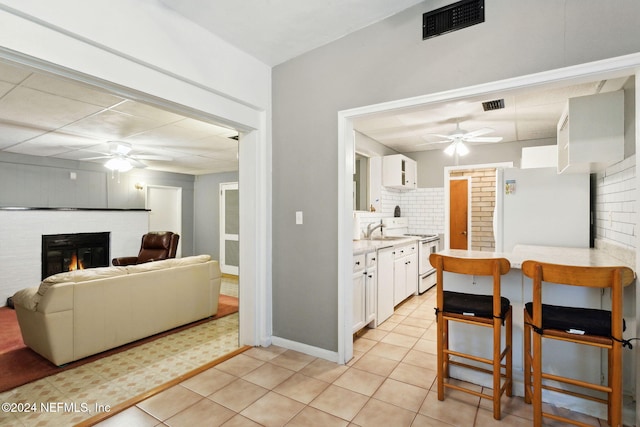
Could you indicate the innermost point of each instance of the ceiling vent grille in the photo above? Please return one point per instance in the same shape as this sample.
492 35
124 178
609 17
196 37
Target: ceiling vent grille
496 104
451 18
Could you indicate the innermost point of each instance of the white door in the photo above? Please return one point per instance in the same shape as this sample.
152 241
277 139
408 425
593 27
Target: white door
165 205
229 228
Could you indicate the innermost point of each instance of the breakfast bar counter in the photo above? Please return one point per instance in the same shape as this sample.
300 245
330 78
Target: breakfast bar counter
583 363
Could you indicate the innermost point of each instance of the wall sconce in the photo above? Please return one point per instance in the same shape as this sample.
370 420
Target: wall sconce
139 185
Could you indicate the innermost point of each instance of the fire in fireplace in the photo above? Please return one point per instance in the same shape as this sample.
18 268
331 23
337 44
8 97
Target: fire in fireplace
68 252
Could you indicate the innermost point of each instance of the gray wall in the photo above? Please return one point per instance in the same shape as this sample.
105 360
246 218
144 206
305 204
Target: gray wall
384 62
207 212
30 181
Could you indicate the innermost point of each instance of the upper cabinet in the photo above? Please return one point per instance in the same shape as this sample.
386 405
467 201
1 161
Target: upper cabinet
399 171
591 133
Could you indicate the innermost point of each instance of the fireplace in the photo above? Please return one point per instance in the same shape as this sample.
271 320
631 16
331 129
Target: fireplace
66 252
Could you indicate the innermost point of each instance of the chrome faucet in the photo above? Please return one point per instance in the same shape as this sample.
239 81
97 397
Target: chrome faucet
370 229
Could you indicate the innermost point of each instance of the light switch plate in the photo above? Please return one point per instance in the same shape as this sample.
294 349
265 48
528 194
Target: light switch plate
298 217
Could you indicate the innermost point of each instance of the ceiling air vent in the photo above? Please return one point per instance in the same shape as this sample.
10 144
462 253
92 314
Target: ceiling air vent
496 104
451 18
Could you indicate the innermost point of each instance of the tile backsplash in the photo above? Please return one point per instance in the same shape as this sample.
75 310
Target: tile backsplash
424 207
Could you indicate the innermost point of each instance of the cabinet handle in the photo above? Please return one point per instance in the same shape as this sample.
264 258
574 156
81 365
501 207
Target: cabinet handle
357 262
373 259
370 276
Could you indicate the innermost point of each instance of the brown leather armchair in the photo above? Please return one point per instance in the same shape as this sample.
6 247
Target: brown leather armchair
156 245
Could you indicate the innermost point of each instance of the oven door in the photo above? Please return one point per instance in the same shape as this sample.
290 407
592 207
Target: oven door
426 249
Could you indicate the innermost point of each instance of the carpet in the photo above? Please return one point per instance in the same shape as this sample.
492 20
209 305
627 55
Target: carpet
20 365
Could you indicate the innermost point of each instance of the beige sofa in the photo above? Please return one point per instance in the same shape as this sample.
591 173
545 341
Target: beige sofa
80 313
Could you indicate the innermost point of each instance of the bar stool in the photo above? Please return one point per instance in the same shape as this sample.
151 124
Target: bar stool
593 327
492 311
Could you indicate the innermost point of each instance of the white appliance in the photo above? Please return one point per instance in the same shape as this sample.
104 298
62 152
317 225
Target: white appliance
541 207
427 244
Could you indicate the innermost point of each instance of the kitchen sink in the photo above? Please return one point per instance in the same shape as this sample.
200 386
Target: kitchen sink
387 238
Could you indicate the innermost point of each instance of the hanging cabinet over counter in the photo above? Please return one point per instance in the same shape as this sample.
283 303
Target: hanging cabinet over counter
591 133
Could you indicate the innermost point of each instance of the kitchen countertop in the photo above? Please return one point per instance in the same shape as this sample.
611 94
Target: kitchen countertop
558 255
366 245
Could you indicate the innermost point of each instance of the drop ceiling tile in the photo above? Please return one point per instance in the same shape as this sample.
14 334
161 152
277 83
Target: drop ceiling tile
5 88
206 128
110 125
139 109
71 90
39 110
13 73
12 133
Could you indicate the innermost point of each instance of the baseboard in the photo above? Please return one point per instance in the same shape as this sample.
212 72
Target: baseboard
305 348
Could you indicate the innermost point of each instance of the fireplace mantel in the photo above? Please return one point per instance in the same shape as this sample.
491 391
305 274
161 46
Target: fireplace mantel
22 228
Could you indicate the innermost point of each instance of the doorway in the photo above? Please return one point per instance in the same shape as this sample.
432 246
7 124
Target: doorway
229 228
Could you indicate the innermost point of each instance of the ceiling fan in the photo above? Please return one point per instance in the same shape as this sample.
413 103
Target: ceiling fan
459 137
122 160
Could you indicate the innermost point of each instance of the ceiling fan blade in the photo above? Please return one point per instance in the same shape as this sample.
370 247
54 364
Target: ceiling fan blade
97 158
136 163
477 132
433 143
439 135
484 139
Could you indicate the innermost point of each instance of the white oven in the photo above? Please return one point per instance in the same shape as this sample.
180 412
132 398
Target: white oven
426 272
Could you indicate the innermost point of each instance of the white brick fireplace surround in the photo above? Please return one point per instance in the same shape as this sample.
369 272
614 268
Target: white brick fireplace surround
21 231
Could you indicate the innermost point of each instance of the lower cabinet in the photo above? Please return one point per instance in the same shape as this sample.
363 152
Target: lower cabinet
365 281
385 284
405 273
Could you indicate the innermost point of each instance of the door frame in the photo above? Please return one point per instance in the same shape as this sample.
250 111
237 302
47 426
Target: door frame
227 269
589 71
498 208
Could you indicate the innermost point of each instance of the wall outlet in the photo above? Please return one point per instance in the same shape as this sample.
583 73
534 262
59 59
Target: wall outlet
299 217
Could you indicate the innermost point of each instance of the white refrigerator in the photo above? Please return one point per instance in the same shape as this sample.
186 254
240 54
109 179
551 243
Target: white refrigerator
540 207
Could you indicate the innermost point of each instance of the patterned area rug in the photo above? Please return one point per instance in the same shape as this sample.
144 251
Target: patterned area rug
20 365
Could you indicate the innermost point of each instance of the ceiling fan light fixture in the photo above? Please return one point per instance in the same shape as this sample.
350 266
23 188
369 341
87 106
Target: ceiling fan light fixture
118 164
462 149
450 149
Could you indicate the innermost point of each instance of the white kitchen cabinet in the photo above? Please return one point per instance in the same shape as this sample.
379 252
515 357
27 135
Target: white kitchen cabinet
358 292
591 133
385 284
371 288
405 274
364 290
399 171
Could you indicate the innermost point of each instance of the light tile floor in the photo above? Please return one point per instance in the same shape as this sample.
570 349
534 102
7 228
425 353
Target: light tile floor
390 382
112 380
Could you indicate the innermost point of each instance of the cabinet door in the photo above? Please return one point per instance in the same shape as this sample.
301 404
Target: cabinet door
411 279
358 300
371 280
385 285
411 175
399 280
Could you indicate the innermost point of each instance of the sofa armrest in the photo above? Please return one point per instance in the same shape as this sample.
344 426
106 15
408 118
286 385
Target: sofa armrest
27 298
127 260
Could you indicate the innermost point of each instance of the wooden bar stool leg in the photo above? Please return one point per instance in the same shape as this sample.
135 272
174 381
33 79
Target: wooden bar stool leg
527 362
615 382
509 355
537 379
496 367
441 341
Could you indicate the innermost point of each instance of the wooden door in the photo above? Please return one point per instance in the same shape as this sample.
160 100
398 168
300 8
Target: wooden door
458 213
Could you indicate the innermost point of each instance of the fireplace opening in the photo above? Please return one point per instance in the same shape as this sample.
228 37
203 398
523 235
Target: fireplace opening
68 252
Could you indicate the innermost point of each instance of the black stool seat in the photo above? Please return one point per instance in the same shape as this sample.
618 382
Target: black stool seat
473 305
589 321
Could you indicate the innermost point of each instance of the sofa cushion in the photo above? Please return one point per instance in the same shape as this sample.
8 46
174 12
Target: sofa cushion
81 276
27 298
167 263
